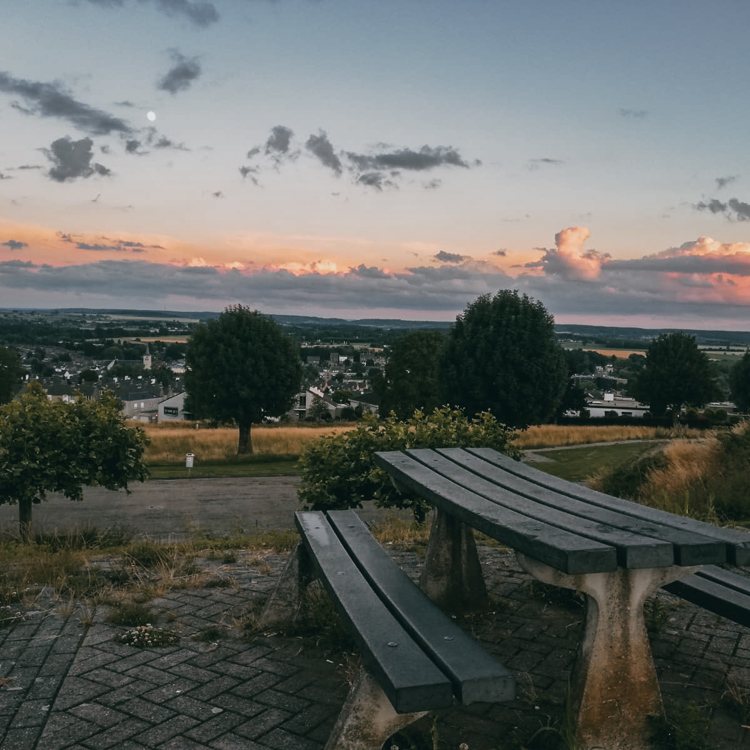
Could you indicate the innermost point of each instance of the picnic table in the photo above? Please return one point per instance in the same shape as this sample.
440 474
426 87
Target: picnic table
616 552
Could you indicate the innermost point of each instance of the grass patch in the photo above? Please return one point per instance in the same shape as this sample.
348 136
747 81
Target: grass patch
578 464
210 635
245 466
550 435
132 615
148 636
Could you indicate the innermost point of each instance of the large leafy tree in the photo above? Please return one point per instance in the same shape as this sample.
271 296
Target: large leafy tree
11 374
502 357
48 446
676 374
241 367
739 383
412 375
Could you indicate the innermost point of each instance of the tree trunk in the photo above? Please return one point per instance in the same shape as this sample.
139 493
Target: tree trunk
245 445
24 518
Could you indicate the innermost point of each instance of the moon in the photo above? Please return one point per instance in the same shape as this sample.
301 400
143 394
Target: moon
151 116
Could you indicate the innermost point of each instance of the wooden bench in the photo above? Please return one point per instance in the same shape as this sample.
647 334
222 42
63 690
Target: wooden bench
616 552
717 590
416 659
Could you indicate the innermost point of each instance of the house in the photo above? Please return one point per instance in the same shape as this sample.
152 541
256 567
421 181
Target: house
172 408
615 406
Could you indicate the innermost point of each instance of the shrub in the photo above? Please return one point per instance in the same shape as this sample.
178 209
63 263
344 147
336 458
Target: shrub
339 471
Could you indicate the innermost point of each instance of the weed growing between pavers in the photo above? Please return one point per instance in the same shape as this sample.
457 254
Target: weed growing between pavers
210 634
123 613
147 636
656 615
683 727
557 595
736 699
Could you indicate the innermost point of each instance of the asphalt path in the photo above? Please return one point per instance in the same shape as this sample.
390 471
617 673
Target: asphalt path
168 509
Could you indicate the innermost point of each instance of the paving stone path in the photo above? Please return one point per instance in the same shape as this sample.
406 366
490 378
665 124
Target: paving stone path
66 684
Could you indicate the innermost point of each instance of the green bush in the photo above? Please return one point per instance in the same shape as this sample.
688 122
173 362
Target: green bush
338 471
627 479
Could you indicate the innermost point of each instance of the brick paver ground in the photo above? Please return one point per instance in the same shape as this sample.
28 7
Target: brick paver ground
66 684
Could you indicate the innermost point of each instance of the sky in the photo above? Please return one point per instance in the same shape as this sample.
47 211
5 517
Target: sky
389 158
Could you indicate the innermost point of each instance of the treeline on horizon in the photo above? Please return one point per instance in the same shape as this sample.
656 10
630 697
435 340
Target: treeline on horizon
75 326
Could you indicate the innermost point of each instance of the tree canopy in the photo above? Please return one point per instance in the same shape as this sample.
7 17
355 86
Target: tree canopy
739 383
52 446
11 374
412 379
676 374
241 367
502 357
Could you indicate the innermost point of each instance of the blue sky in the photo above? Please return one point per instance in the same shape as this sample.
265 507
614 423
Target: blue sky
392 159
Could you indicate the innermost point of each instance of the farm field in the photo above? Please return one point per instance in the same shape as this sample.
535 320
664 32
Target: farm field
277 448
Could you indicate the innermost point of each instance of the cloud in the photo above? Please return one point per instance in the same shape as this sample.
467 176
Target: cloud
199 13
322 149
53 100
637 114
181 75
217 194
444 257
107 244
154 139
733 209
279 140
432 184
501 253
722 182
377 180
5 176
426 158
534 164
568 260
14 244
72 160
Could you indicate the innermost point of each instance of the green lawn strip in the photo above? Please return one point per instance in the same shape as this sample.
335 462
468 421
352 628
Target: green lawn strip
246 466
578 464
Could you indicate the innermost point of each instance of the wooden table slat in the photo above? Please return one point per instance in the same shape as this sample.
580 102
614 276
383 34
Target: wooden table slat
685 547
568 552
738 542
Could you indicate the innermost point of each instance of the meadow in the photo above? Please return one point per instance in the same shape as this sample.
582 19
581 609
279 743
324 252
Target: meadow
171 441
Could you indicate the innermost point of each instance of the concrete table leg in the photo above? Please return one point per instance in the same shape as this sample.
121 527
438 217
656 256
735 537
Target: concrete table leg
614 687
367 719
285 605
452 575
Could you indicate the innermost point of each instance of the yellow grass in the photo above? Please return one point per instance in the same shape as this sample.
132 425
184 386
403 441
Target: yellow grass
689 465
170 441
169 444
552 435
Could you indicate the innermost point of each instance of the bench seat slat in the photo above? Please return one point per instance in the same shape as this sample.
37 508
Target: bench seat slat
633 550
737 542
725 578
713 596
408 677
561 549
673 544
475 675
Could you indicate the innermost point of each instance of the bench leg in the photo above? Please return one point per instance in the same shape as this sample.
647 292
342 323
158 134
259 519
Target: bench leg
614 688
452 575
367 719
286 602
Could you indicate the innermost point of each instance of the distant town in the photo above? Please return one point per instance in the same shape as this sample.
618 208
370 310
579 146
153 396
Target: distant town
139 355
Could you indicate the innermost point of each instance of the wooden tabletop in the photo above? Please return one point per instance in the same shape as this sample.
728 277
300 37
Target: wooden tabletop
570 527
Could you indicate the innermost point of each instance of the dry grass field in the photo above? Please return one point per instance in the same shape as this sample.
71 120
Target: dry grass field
171 441
553 435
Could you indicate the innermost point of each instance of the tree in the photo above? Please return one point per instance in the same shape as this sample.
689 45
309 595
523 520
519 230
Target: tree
241 367
502 357
51 446
676 373
739 383
412 375
11 374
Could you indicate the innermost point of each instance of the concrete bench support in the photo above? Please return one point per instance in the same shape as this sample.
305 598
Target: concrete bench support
452 575
367 719
614 681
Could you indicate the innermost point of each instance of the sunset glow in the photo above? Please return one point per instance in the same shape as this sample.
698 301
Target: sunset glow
362 160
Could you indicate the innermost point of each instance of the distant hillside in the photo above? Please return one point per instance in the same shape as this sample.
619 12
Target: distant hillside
641 337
